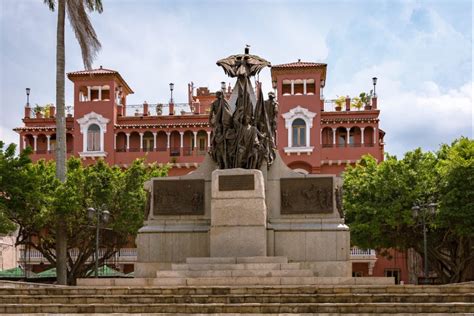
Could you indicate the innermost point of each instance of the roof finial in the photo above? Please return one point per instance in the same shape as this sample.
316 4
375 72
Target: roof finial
100 66
299 60
247 48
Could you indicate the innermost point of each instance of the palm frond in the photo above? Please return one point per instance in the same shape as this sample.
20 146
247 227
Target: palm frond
50 4
83 29
94 5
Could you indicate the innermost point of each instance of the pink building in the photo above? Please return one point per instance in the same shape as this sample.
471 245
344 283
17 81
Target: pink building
314 135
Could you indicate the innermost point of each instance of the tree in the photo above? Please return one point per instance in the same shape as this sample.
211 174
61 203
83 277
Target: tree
378 201
35 198
90 45
10 183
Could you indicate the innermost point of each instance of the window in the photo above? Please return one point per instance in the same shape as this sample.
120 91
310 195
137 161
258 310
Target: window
393 273
93 138
286 87
299 133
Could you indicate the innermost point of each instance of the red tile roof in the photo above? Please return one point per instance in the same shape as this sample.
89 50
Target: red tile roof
299 64
100 71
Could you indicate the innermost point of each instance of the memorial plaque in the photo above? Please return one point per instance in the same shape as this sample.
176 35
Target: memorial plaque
306 195
178 197
237 182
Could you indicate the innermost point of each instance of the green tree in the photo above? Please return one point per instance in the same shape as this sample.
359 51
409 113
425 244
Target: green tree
378 201
35 199
90 45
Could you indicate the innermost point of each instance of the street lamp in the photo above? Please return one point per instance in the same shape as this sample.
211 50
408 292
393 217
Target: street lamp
374 81
28 97
101 215
171 89
423 211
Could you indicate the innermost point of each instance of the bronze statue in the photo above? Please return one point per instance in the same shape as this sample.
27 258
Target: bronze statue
243 128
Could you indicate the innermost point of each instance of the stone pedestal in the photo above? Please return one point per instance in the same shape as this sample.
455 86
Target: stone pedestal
238 214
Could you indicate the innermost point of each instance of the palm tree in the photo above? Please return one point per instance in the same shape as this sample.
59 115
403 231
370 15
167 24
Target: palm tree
90 45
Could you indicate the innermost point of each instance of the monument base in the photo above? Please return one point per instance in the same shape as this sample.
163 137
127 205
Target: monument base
238 214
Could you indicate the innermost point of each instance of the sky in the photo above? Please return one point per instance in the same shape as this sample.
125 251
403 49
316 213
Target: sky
421 52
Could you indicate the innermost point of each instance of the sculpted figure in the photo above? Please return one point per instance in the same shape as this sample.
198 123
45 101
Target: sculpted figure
243 131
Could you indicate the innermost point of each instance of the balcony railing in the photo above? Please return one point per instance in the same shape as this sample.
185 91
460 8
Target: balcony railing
154 109
34 256
343 145
357 252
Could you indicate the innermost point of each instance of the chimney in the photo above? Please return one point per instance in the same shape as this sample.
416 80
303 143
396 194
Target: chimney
145 108
348 103
27 112
52 111
247 49
374 103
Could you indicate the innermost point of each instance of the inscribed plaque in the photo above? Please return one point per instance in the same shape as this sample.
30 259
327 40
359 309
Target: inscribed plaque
237 182
178 197
306 195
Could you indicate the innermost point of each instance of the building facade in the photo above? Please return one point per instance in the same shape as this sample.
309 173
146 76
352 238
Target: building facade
313 135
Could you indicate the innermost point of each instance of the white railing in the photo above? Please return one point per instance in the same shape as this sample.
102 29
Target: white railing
124 254
362 252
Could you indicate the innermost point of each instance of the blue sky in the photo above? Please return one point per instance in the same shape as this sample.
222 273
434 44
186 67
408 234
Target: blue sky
421 51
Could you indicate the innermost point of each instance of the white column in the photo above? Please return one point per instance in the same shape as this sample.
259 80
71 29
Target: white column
48 143
348 129
375 136
195 139
154 141
334 136
292 87
34 142
141 141
208 139
115 141
100 92
362 135
128 140
24 142
304 86
181 136
168 135
89 93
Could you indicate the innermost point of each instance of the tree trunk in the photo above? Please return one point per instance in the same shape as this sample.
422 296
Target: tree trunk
61 231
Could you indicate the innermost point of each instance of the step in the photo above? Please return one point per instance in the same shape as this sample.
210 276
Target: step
232 273
342 308
235 266
221 299
218 260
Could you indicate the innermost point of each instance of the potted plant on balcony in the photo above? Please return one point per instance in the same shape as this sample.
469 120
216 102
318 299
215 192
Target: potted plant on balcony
38 111
365 99
340 101
357 103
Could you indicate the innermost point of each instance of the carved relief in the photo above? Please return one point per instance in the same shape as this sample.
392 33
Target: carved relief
178 197
306 195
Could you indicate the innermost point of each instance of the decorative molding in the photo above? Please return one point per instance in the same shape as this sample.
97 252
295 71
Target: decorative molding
84 123
307 116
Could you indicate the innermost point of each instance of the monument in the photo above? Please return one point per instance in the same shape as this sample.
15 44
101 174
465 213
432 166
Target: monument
243 201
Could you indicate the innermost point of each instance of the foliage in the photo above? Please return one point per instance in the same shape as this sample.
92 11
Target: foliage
340 101
34 199
356 103
378 201
365 98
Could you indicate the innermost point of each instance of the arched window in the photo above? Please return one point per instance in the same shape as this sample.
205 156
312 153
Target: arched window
93 138
299 133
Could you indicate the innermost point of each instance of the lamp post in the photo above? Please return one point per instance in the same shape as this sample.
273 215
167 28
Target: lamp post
28 97
223 86
374 81
171 89
101 215
423 211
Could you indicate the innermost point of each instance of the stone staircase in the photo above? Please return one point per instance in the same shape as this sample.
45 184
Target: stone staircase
235 271
257 300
